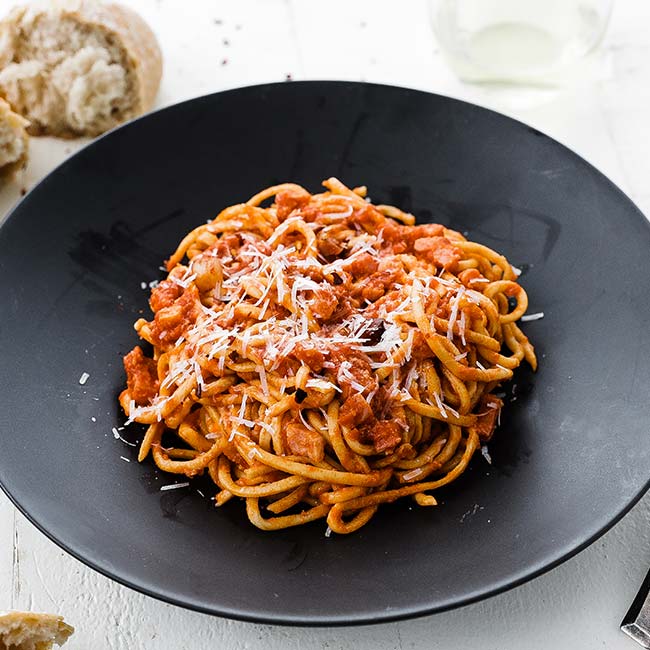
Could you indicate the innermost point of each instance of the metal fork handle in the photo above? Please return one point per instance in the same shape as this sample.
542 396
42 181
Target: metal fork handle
637 621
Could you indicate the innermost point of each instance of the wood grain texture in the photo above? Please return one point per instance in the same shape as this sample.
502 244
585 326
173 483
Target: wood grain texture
213 46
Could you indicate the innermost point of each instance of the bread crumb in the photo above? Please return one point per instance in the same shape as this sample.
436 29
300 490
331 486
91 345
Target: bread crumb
13 141
78 68
32 631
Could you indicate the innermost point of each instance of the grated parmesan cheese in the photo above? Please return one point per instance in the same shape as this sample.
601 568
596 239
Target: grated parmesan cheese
455 303
174 486
242 408
486 454
304 421
407 476
530 317
410 377
344 371
461 327
263 380
117 436
441 406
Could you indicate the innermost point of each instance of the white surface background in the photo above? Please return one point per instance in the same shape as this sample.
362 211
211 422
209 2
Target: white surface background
213 45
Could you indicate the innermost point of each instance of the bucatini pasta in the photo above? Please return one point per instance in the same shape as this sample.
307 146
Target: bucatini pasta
323 355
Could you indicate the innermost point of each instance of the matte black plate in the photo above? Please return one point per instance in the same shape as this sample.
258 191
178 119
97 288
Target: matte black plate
571 456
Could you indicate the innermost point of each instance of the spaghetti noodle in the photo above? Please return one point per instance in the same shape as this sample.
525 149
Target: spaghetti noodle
323 355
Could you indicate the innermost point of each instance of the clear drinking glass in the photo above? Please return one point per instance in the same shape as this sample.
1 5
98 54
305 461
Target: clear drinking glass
542 43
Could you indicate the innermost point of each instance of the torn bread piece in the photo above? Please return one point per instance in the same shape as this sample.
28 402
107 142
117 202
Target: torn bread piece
32 631
14 142
77 67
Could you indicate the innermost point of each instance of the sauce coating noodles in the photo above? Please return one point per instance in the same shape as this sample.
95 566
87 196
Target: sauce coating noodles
323 355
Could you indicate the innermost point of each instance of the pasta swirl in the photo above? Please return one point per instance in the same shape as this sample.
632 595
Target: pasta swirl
323 355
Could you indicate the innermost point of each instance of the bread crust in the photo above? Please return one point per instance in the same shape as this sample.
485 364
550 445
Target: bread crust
19 124
33 630
115 21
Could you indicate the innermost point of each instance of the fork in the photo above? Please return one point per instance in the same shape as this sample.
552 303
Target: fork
637 621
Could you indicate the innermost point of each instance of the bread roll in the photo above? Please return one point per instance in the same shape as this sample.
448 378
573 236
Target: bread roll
30 631
13 141
77 67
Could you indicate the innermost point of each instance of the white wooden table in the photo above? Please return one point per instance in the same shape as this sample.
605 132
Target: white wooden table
210 46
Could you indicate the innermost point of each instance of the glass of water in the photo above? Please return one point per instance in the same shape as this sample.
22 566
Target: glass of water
537 43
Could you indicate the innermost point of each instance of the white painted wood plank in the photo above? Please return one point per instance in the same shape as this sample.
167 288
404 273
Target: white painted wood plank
6 551
365 40
212 46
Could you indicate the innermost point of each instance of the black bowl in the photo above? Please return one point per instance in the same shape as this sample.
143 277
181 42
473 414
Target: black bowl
571 455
